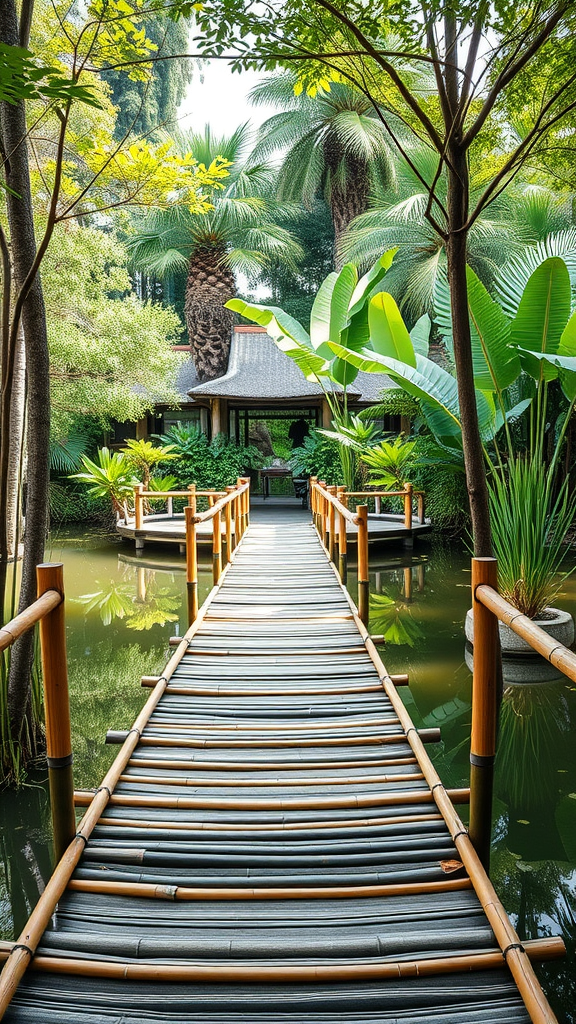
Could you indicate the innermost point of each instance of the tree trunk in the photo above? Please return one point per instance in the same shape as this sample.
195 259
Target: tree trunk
456 247
21 223
15 446
209 285
348 196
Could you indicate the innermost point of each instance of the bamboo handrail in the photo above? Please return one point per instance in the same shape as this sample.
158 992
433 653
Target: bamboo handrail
182 494
27 619
381 494
555 652
235 503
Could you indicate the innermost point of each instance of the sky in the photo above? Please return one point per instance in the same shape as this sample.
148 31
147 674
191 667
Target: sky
217 97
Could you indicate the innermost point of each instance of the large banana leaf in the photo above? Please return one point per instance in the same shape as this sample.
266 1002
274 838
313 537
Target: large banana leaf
370 280
388 332
427 381
330 312
320 315
542 316
273 319
420 335
496 364
563 366
288 334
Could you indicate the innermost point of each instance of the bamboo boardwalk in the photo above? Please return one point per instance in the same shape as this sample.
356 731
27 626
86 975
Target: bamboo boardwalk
277 846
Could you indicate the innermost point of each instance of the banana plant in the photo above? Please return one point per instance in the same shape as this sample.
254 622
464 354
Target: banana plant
339 316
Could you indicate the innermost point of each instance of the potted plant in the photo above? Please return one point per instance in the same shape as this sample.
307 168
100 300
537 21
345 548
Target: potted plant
529 527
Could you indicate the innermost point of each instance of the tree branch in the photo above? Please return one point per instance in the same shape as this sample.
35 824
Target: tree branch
508 75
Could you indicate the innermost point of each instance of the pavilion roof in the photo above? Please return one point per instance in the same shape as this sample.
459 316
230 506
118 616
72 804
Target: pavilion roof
258 370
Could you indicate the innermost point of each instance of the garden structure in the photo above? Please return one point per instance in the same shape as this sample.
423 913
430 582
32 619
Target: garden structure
260 383
272 838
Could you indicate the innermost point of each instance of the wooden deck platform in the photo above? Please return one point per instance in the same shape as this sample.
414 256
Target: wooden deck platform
277 846
164 529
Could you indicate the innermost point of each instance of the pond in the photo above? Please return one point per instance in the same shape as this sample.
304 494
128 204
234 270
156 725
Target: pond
120 614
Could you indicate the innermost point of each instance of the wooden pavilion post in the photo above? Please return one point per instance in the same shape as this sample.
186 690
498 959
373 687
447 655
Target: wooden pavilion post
57 709
240 509
342 539
191 564
363 573
485 685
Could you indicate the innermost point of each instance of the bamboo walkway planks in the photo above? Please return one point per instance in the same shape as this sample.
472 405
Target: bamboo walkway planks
272 849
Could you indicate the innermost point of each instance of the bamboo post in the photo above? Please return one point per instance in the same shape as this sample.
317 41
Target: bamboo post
57 709
363 576
216 546
240 508
246 480
191 564
420 500
484 711
312 496
377 505
323 530
228 520
138 511
170 506
192 496
342 539
408 506
332 524
211 498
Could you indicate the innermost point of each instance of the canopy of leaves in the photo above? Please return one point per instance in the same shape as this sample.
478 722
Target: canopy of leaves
111 353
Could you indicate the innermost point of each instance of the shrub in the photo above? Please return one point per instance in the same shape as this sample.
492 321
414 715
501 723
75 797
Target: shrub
318 456
209 464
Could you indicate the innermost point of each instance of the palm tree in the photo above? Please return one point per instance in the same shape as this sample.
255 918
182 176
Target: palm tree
396 218
240 234
333 142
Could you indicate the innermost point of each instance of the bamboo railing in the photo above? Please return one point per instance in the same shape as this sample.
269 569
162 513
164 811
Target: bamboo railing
234 505
141 497
489 607
48 612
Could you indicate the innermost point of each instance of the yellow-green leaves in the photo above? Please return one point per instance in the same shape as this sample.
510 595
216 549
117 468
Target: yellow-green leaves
388 332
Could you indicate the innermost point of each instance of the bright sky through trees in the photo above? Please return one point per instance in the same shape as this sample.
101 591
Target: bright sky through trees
217 97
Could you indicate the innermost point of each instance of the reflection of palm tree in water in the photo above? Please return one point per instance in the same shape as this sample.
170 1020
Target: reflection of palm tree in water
24 853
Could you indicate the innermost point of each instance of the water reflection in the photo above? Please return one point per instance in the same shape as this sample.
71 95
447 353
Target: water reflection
390 601
143 602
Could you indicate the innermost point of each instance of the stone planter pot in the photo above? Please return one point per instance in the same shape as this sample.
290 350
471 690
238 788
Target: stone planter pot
521 669
558 624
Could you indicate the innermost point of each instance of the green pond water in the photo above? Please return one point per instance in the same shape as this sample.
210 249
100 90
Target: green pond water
120 613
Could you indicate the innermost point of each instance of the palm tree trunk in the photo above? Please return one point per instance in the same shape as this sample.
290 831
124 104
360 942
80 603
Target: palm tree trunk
209 285
348 198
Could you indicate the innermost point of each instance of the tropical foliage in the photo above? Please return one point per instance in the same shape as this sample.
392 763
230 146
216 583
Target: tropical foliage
240 234
332 143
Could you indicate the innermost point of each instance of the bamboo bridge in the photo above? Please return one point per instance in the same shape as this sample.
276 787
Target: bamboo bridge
272 842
